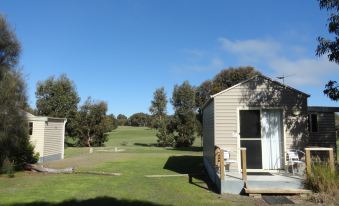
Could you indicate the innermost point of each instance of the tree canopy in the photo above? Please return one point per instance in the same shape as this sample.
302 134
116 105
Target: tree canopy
58 97
92 123
183 101
330 46
122 120
158 106
14 139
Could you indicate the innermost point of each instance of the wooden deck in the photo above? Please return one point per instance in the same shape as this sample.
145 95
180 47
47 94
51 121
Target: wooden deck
267 183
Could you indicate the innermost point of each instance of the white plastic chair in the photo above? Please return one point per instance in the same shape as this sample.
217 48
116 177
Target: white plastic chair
294 159
227 160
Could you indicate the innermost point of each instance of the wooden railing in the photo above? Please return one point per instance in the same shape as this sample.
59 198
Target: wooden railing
244 164
220 164
308 158
219 161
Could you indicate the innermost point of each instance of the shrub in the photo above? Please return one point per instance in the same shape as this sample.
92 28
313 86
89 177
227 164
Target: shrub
324 182
8 167
165 137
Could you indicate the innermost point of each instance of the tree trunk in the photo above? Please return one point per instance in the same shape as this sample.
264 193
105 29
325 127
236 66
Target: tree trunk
35 168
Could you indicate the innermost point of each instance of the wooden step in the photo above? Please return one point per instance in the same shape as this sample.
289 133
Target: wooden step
276 191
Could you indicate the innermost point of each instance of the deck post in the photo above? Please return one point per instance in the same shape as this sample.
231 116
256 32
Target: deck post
308 161
331 159
216 156
222 164
244 164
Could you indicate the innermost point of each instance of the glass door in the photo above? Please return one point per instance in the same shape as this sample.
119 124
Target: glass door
250 137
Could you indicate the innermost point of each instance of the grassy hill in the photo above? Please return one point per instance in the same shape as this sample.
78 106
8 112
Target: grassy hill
136 158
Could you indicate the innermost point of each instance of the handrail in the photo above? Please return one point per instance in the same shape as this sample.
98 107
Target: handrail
309 159
220 165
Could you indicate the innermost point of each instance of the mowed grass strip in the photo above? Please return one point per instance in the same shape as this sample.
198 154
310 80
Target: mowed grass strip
139 158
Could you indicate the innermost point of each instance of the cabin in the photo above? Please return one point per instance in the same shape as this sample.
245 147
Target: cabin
267 118
47 134
322 130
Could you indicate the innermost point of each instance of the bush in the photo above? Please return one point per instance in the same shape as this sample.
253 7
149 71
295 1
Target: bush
165 137
8 167
324 182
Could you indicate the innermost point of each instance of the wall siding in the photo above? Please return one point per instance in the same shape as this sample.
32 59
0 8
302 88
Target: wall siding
54 132
263 94
208 133
326 135
37 137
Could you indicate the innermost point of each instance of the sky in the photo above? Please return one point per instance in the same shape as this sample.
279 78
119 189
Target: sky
120 51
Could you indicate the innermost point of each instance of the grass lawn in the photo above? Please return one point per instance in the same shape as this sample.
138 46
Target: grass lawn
138 157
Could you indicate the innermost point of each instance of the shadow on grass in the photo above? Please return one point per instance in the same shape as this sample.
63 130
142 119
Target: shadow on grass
98 201
194 167
189 149
145 145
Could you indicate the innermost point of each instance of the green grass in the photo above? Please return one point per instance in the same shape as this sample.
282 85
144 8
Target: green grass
139 158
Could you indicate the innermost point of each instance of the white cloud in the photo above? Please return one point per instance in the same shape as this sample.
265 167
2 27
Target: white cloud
272 54
251 48
214 63
305 71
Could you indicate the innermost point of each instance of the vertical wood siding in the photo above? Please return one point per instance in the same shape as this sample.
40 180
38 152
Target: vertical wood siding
54 132
326 135
208 133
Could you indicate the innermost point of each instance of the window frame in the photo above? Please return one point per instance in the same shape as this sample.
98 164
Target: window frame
30 128
311 121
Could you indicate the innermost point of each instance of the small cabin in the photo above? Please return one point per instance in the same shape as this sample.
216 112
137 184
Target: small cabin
47 134
267 118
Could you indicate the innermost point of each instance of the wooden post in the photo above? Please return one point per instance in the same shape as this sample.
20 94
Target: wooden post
244 164
222 164
308 161
216 156
331 159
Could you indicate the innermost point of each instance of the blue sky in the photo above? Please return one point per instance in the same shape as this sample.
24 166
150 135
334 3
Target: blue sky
121 51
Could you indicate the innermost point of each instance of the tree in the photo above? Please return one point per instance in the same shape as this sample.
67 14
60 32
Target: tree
328 46
111 123
158 106
14 139
139 120
122 120
58 97
92 123
164 134
183 101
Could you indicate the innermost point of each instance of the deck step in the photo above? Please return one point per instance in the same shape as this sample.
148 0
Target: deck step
276 191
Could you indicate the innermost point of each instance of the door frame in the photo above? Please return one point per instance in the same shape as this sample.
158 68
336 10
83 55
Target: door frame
238 109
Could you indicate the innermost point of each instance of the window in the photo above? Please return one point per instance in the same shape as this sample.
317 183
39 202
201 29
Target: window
30 128
250 124
313 123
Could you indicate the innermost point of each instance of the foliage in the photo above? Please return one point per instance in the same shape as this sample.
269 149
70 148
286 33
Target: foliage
324 182
139 120
332 90
164 134
122 120
223 80
158 107
8 167
57 97
183 101
328 46
111 123
14 139
92 123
